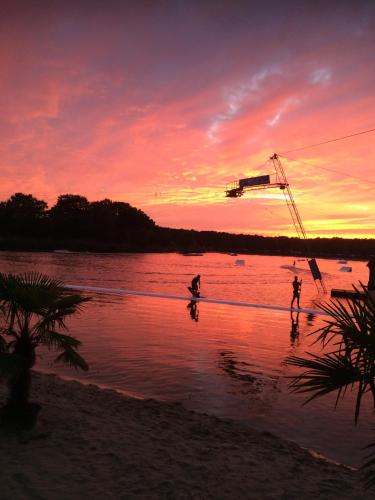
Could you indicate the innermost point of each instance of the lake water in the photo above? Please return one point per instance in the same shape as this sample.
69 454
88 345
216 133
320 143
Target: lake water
219 359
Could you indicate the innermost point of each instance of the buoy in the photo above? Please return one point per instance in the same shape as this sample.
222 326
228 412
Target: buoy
240 262
345 269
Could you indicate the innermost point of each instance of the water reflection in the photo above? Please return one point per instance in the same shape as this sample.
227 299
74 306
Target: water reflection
238 370
310 318
194 311
294 330
233 368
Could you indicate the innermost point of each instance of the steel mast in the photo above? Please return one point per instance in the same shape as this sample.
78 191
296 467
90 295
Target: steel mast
287 192
264 182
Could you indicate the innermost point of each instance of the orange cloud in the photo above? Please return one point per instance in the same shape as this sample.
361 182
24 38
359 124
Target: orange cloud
163 107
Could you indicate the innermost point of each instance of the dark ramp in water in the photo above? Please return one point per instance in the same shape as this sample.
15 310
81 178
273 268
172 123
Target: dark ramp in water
294 268
346 294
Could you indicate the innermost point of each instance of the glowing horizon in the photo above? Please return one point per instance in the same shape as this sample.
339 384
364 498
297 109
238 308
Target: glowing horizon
161 105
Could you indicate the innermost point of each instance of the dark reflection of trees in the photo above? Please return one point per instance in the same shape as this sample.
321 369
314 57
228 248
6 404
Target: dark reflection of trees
238 370
194 311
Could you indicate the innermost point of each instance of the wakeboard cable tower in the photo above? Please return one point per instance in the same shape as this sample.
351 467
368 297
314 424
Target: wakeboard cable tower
238 188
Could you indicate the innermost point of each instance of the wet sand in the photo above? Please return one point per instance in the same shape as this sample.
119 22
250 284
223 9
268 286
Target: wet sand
97 443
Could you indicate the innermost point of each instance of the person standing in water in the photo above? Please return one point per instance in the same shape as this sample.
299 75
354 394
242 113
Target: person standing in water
195 285
297 285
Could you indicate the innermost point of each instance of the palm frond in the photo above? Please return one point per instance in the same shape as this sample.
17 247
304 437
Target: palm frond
58 340
351 330
39 280
35 306
352 323
59 311
325 374
71 357
31 292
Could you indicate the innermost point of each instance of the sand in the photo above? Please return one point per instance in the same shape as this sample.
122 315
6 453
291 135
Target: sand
92 443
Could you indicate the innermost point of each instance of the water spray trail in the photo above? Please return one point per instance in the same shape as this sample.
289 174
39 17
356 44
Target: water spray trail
119 291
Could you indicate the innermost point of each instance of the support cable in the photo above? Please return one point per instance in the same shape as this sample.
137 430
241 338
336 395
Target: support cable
330 140
362 179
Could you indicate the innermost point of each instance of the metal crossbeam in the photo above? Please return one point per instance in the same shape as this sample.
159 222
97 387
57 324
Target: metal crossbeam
238 188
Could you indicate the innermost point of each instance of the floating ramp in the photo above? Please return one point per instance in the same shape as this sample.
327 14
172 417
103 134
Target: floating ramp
120 291
346 294
350 294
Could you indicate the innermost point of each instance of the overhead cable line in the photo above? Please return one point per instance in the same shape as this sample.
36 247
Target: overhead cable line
368 181
331 140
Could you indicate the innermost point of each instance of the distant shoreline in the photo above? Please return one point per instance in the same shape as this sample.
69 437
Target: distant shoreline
97 442
76 224
102 248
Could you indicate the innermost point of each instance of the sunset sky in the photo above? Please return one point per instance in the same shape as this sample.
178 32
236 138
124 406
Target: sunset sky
162 103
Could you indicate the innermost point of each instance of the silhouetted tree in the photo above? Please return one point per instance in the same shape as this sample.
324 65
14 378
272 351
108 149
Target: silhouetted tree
102 220
22 214
132 224
76 223
68 217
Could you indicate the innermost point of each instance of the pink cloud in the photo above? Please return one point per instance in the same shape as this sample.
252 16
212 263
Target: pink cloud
162 108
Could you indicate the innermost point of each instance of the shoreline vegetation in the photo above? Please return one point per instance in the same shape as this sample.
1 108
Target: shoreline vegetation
98 442
75 224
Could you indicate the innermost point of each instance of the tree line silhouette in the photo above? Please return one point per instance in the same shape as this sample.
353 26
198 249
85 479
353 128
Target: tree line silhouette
74 223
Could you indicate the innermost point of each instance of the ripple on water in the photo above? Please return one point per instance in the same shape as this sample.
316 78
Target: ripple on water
220 359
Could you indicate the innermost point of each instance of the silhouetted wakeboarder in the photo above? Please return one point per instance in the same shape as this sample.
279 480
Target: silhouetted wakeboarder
297 285
195 286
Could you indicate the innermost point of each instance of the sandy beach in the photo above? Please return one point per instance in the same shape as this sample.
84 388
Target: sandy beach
97 443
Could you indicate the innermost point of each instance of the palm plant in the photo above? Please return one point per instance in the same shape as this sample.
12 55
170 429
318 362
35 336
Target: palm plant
350 364
32 308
